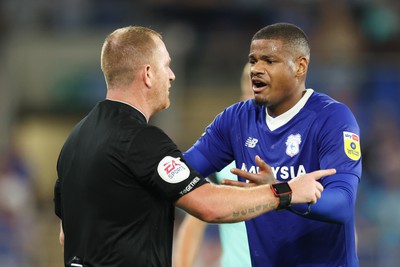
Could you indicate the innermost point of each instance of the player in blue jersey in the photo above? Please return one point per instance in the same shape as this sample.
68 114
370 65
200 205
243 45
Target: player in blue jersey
296 130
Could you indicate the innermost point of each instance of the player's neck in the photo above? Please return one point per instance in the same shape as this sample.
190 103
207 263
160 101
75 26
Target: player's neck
277 110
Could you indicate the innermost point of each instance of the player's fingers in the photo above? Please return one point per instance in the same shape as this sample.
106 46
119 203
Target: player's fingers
264 167
261 178
244 174
239 172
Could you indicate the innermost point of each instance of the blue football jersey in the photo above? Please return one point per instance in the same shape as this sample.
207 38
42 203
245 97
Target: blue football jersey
317 133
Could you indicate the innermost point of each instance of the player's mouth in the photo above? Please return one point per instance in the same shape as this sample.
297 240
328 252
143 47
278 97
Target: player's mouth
258 85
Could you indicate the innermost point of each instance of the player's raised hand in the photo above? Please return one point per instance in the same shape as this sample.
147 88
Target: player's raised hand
306 188
265 175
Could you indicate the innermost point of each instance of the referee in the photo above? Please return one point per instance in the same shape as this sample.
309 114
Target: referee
119 178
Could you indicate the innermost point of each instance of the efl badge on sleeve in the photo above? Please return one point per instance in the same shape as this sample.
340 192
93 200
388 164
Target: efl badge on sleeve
293 144
352 145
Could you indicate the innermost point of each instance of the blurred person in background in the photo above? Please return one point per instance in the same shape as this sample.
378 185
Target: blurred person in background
383 185
296 130
119 178
16 211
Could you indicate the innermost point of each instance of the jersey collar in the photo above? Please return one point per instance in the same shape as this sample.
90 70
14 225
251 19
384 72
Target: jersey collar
274 123
130 106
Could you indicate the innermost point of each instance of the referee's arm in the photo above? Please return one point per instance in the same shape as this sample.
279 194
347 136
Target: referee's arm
225 204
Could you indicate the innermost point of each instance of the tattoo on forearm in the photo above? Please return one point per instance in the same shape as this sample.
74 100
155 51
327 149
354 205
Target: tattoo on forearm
255 209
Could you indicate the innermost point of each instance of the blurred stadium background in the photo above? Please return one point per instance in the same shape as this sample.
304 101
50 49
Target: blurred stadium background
50 77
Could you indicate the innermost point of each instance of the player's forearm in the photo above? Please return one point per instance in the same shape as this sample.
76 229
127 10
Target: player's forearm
337 201
335 206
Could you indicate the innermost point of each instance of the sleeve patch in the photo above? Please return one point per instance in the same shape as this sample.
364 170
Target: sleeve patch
173 170
352 145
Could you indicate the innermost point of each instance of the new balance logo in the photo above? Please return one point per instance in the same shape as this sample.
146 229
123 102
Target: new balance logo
251 142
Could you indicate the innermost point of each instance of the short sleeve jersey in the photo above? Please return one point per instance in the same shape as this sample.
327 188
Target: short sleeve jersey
118 178
317 133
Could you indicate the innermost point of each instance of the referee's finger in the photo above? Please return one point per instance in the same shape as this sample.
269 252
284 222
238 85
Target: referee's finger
323 173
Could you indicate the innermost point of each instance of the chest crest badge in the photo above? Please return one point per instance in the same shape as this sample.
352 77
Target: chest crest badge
293 144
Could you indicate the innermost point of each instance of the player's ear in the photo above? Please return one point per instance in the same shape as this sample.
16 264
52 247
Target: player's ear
301 66
147 75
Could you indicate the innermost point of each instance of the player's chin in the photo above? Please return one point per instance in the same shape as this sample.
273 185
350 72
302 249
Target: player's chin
260 100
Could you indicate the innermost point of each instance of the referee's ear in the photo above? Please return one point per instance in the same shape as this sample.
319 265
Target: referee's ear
147 75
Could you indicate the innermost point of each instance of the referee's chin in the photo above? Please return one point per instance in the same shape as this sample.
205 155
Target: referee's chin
167 104
163 106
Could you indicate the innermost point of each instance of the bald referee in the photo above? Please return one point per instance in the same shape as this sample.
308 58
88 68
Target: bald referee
119 178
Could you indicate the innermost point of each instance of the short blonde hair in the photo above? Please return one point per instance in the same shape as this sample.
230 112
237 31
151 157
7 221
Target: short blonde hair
124 51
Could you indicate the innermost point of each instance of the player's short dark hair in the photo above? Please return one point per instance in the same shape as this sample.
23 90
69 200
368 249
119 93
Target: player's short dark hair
287 32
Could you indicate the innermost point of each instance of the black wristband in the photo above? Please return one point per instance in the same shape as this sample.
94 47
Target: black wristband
284 193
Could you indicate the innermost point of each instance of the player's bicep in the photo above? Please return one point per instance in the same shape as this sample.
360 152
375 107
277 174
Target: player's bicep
339 143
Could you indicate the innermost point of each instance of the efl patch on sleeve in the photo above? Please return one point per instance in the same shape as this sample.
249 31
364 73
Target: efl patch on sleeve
173 170
352 145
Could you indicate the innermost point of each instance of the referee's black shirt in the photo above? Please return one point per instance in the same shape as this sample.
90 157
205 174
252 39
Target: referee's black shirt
117 180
